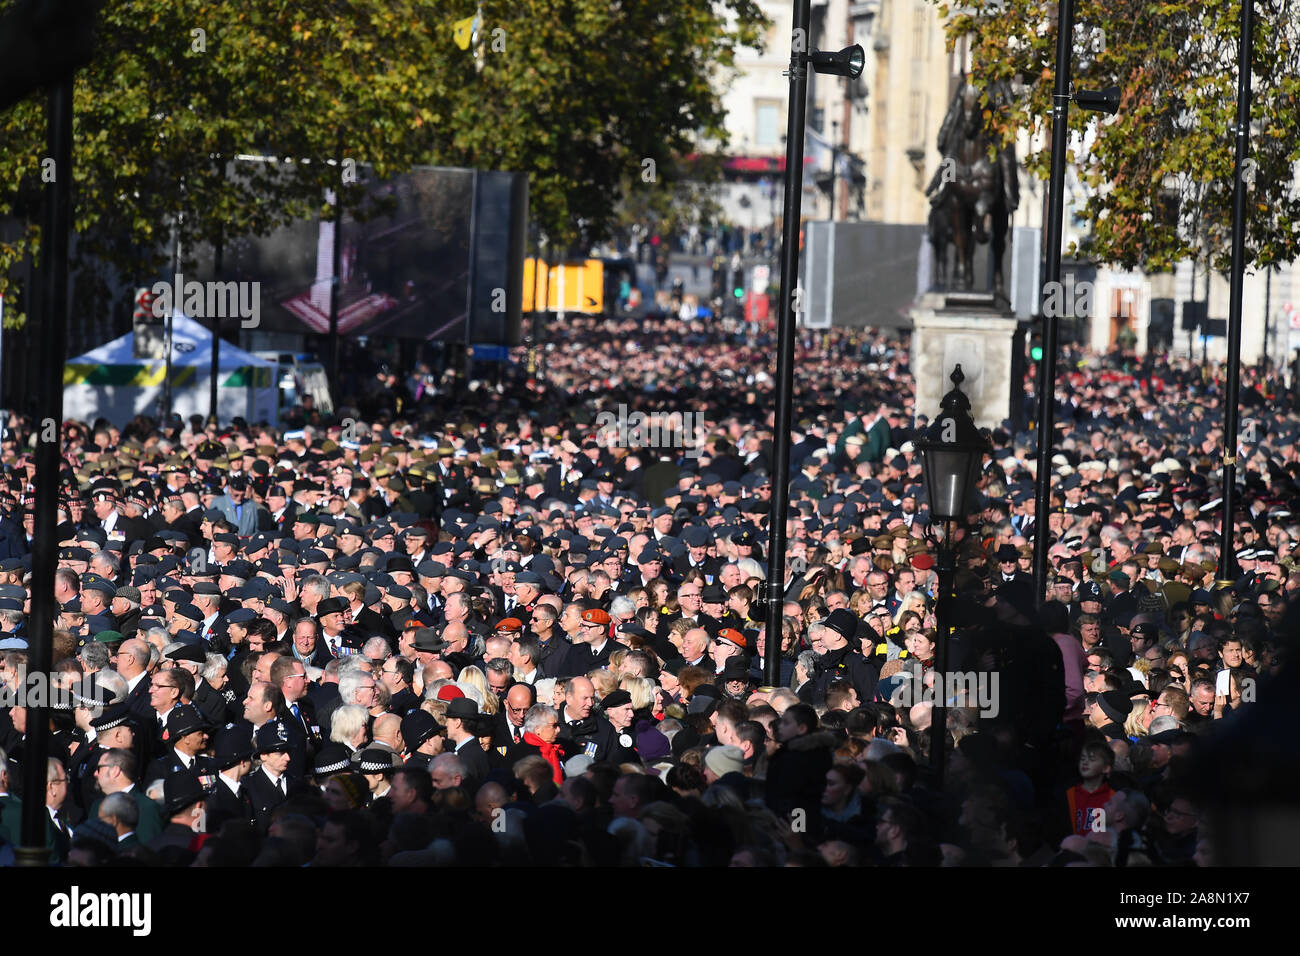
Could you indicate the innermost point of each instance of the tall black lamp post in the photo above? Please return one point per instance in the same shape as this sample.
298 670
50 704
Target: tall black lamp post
952 453
847 62
1233 384
1105 101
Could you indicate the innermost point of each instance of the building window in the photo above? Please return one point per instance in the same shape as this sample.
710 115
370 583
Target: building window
767 118
916 118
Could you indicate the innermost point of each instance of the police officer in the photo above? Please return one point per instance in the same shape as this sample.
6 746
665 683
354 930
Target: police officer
841 661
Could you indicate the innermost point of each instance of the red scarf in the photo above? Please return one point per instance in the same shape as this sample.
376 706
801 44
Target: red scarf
551 753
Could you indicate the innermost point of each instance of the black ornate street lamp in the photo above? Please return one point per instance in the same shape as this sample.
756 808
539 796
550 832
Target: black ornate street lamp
952 453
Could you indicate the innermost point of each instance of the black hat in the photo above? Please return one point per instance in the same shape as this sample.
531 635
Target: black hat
462 708
89 694
231 745
183 720
181 791
735 668
616 698
335 605
375 760
188 652
843 622
333 758
1008 552
272 737
427 640
674 665
1115 705
1145 629
713 594
113 716
417 727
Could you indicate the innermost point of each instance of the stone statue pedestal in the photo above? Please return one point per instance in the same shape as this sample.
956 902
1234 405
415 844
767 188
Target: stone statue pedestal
975 329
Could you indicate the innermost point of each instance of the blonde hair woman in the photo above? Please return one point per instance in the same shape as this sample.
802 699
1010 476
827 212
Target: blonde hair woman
912 601
605 682
478 680
1135 726
642 690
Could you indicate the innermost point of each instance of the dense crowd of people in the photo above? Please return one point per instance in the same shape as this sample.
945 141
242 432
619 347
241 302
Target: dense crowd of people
484 625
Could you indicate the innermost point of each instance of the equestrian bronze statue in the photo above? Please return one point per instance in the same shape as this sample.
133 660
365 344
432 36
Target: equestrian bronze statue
971 195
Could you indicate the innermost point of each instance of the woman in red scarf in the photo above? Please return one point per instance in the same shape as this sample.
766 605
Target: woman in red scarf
542 737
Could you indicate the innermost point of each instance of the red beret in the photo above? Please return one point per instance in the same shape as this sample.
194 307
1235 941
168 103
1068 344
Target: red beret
595 616
732 635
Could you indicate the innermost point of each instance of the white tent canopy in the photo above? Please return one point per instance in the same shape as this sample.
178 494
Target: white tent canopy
110 382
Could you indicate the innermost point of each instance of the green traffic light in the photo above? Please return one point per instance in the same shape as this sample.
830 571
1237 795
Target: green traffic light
1036 353
740 292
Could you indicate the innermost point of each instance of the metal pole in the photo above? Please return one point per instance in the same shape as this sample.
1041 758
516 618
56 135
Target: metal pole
1235 290
1205 329
1047 369
217 257
1268 318
835 165
540 316
168 325
530 342
52 350
336 281
785 351
946 570
469 293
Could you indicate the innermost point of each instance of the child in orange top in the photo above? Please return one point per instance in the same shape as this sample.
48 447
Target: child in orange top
1087 798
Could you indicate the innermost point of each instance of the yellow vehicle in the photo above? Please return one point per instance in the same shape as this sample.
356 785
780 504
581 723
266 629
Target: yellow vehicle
586 287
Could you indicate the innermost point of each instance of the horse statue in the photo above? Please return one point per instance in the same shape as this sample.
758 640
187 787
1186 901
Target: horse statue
971 196
939 232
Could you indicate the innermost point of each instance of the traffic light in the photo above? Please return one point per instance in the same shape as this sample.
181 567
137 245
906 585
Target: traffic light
1036 345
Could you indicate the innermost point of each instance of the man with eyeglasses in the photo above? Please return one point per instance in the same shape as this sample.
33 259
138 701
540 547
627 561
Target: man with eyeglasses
116 773
690 600
290 676
509 722
878 588
1177 844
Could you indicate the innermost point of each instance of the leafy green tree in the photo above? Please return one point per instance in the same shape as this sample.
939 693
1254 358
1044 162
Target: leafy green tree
580 94
576 93
1159 173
